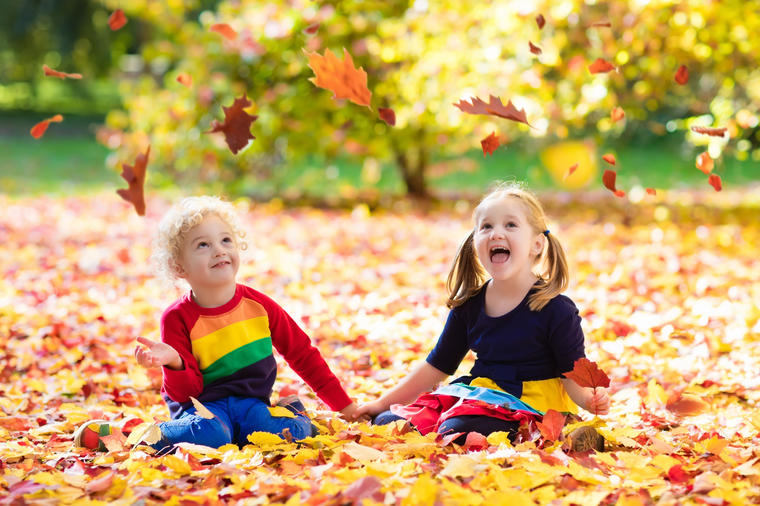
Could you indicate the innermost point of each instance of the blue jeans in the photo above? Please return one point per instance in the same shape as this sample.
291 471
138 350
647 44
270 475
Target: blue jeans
236 418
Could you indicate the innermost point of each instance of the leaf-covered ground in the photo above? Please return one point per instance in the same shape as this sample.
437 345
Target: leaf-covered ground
669 296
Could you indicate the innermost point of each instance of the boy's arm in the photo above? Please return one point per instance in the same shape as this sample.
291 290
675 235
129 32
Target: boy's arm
187 381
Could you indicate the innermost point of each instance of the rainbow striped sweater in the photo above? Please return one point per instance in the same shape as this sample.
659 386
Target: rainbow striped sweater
227 351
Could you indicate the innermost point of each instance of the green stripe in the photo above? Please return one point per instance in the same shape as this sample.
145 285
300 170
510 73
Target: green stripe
237 359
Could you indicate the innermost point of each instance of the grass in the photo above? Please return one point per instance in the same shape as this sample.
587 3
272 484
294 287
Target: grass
68 160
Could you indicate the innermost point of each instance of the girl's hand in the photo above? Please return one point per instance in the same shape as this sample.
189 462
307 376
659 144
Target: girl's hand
369 409
157 354
349 412
599 401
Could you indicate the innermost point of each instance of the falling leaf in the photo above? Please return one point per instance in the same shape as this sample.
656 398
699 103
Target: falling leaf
135 177
340 77
540 21
715 182
489 144
39 129
686 405
185 80
493 107
62 75
651 191
311 29
601 24
600 66
117 20
587 373
237 124
551 425
609 158
202 410
617 114
224 30
387 115
608 179
534 49
712 131
682 75
705 162
571 169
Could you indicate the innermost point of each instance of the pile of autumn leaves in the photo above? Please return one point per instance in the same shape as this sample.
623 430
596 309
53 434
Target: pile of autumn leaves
669 311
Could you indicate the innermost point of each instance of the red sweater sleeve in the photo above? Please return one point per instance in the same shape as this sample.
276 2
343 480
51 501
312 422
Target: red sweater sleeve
306 360
182 384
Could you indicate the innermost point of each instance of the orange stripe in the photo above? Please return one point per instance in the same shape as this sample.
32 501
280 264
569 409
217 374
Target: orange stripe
245 310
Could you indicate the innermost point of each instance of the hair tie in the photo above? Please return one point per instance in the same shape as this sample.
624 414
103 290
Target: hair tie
546 232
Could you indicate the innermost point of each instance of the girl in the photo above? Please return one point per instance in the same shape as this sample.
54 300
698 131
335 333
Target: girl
217 340
525 334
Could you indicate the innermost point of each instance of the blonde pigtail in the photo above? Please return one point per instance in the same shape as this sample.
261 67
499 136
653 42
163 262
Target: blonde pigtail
466 275
557 275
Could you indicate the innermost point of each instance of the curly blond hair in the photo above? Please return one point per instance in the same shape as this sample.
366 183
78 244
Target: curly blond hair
179 219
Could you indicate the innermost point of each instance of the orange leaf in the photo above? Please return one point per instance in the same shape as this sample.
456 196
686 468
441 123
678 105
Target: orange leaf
387 115
651 191
116 441
135 177
682 75
540 21
588 374
617 114
475 442
185 80
493 107
117 20
571 169
686 405
551 425
714 132
609 158
224 30
715 182
237 124
311 29
705 163
534 49
489 144
600 66
39 129
599 24
62 75
608 179
340 77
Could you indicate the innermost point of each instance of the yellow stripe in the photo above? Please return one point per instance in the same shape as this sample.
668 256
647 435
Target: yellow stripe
211 347
548 394
245 310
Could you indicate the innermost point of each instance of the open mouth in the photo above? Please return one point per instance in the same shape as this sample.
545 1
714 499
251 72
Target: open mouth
499 254
221 264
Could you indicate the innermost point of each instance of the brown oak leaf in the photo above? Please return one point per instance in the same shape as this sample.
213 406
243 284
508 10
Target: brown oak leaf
61 75
340 76
237 124
135 177
609 158
534 49
494 107
540 21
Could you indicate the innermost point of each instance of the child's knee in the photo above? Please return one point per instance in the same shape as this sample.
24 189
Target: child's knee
385 418
195 429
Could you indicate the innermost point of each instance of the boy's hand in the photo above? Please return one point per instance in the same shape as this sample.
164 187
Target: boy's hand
599 401
368 410
157 354
349 412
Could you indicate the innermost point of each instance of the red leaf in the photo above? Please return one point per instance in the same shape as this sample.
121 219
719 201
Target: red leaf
551 425
489 144
475 441
705 163
117 20
609 158
686 405
540 21
224 30
608 179
715 182
237 124
676 474
387 115
311 29
62 75
651 191
493 107
682 75
340 77
571 169
598 24
39 129
534 49
185 80
714 132
600 66
135 177
588 374
617 114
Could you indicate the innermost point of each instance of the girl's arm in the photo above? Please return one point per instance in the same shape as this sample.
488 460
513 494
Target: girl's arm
422 379
594 400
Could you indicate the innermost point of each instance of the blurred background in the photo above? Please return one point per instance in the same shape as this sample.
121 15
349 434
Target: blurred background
421 57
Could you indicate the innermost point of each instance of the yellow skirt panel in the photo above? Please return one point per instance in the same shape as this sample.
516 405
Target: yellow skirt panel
542 395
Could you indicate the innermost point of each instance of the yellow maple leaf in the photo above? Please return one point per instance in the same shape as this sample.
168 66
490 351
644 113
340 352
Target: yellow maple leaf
264 439
147 433
201 410
424 491
281 412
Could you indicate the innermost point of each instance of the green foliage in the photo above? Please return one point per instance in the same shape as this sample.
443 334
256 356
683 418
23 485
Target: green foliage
421 58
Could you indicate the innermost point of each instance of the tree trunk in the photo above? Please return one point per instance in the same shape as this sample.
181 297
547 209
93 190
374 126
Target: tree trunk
413 173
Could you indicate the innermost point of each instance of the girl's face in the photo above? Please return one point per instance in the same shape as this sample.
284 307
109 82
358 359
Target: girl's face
505 243
209 257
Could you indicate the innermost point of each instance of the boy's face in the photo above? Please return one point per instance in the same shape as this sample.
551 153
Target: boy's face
209 257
